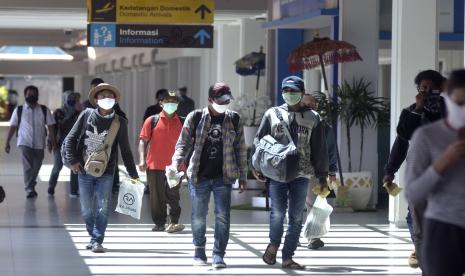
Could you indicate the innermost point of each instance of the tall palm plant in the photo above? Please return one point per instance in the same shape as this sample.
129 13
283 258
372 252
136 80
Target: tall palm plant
356 105
359 107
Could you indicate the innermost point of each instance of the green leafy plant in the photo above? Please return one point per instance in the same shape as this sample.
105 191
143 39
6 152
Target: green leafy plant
355 105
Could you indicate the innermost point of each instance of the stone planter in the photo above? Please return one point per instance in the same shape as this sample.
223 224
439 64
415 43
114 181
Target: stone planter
249 134
360 187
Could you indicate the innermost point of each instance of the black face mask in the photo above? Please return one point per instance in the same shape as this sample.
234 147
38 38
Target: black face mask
433 101
32 99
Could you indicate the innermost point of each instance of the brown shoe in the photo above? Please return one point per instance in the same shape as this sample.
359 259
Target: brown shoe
412 260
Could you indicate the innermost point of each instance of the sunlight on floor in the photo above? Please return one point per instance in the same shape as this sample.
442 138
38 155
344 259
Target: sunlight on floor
133 249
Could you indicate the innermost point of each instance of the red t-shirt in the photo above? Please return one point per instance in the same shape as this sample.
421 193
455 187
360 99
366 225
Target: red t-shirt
162 140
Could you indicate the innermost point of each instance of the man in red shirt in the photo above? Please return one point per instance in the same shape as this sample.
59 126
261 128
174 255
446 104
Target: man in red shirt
158 138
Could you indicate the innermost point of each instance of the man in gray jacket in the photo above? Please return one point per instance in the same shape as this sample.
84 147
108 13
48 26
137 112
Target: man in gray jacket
308 134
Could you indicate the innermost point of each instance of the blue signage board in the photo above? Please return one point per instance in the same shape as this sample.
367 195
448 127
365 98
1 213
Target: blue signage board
155 36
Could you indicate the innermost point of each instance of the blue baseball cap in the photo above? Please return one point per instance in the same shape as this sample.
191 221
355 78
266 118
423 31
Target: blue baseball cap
294 83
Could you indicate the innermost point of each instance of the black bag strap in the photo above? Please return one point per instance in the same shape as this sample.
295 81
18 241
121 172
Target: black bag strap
283 123
154 120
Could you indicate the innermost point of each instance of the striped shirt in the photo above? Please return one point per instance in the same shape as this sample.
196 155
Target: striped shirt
234 148
445 193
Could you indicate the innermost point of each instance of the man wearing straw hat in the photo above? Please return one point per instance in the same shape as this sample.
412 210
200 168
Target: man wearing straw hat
90 150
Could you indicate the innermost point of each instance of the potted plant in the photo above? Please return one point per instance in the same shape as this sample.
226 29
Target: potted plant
251 111
356 106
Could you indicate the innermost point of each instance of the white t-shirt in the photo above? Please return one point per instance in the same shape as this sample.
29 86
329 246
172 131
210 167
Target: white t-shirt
32 130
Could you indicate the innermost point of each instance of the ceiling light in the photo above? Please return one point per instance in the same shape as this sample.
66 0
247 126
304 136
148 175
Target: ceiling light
33 53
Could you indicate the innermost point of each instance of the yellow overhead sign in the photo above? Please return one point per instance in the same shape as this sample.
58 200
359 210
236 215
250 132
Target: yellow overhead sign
151 11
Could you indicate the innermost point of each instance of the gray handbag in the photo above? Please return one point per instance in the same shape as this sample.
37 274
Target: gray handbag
274 160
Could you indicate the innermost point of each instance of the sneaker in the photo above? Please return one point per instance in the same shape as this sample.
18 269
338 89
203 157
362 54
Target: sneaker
97 248
412 260
89 245
218 262
158 228
51 191
200 258
174 227
31 194
315 244
73 195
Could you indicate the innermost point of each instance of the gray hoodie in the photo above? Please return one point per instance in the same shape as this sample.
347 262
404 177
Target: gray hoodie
308 134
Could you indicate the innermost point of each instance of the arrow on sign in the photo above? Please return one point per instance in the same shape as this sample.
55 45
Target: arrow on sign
202 9
201 35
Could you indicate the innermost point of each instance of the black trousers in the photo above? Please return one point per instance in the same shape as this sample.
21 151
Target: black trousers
160 196
443 249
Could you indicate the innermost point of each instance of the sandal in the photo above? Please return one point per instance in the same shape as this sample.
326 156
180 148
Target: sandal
269 257
293 265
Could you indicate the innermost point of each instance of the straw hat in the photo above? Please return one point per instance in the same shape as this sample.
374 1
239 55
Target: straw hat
103 86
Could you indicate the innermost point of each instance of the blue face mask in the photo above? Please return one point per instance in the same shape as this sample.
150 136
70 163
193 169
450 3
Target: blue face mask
170 108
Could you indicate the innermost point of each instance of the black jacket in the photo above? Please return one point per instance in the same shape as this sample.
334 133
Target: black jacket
409 121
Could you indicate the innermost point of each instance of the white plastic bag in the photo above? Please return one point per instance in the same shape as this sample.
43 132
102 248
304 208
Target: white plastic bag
130 197
317 224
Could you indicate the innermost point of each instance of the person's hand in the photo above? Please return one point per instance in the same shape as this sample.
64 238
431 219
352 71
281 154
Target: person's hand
142 166
7 148
76 167
420 102
242 186
455 152
259 176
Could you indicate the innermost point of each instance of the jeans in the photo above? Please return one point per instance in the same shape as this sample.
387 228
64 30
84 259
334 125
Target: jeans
95 188
281 193
200 197
57 166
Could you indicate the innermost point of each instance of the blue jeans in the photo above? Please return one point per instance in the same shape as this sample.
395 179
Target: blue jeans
281 193
200 197
95 188
57 166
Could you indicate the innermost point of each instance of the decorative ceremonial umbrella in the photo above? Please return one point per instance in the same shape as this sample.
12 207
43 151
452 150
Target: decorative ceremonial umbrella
321 52
252 64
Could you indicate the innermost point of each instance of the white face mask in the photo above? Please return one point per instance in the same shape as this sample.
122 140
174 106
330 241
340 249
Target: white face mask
106 103
220 108
455 113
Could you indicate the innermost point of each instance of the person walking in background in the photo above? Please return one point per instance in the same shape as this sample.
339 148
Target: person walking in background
94 129
158 137
429 107
156 108
65 118
31 121
186 104
436 172
215 137
308 135
308 101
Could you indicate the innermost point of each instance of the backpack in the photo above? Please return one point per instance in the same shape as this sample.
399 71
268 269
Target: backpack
19 113
275 160
156 118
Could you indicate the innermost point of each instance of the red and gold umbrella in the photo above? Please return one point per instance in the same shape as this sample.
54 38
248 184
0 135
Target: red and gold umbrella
321 52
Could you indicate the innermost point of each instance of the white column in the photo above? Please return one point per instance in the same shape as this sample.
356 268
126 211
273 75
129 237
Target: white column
359 25
414 48
228 53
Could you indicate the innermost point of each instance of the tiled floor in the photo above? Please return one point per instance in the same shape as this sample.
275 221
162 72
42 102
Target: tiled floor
45 236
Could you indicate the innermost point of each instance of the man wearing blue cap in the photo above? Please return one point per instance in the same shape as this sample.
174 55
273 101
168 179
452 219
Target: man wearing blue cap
307 132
